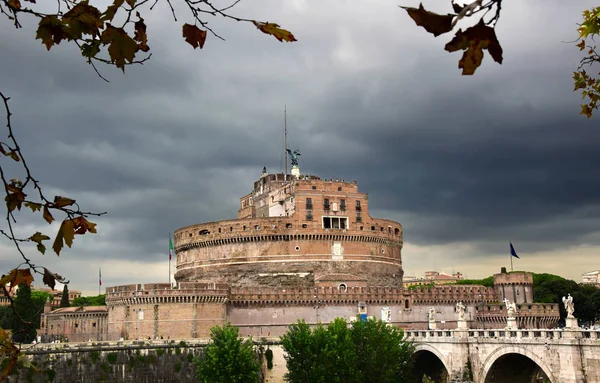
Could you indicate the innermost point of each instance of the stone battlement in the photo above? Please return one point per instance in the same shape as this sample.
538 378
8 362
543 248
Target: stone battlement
447 294
165 293
281 229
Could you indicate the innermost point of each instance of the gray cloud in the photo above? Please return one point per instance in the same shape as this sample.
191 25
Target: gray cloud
479 161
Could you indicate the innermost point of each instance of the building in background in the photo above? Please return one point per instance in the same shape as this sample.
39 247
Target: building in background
432 278
591 278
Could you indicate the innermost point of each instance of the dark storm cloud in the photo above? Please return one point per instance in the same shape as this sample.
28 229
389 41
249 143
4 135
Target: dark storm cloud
370 97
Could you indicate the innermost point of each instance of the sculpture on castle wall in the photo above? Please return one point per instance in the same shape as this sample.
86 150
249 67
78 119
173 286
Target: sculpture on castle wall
294 156
511 309
569 305
460 309
431 315
386 314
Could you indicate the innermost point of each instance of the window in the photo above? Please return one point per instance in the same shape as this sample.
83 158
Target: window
314 188
288 225
358 217
204 232
343 205
335 222
309 216
219 230
308 203
358 208
93 324
243 204
339 188
304 226
326 204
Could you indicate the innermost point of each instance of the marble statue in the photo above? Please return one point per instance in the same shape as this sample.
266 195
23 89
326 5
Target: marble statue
511 309
569 305
294 156
460 309
431 315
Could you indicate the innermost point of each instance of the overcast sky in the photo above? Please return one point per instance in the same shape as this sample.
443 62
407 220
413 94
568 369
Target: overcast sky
466 164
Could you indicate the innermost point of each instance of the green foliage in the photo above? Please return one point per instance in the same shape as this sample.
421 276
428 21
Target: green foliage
427 379
487 282
421 287
97 300
227 358
503 270
368 351
64 299
269 358
24 307
586 83
111 357
94 355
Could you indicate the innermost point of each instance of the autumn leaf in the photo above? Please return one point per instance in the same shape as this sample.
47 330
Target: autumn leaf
63 201
38 238
50 278
110 12
473 41
82 225
83 19
90 49
131 3
15 199
51 31
432 22
16 4
194 35
33 206
66 233
581 45
122 47
274 30
16 277
47 215
14 155
140 34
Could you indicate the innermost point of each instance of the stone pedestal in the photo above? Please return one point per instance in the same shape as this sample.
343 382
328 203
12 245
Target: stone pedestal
432 325
461 325
511 323
296 171
571 323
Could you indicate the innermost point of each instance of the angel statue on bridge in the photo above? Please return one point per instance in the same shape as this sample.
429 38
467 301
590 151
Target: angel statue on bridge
511 309
569 305
460 309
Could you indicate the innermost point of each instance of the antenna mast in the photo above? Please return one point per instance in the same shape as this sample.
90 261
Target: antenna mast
285 156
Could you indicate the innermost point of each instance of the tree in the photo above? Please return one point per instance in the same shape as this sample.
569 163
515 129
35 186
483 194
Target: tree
369 351
482 36
64 298
24 330
98 300
227 358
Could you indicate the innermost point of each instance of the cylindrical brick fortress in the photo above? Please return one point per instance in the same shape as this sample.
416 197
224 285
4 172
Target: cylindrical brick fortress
323 233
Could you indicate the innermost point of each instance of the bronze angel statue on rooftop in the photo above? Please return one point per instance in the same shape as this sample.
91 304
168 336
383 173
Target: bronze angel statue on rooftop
294 156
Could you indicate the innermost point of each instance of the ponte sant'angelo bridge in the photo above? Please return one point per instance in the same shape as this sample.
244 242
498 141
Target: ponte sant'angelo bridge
507 355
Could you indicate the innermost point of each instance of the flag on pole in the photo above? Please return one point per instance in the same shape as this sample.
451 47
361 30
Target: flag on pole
100 276
512 251
171 250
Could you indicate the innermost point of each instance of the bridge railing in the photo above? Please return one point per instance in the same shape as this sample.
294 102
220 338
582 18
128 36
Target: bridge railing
417 335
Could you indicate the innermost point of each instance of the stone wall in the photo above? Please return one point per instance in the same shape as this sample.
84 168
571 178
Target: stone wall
140 362
160 311
77 324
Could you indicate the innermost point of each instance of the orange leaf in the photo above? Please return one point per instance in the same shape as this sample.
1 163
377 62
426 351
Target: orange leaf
16 277
33 206
16 4
63 201
47 216
432 22
581 45
194 35
274 30
83 19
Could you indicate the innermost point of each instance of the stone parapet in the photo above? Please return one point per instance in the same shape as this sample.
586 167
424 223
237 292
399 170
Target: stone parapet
185 292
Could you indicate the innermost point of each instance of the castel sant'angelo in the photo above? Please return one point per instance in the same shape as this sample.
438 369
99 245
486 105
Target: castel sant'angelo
301 247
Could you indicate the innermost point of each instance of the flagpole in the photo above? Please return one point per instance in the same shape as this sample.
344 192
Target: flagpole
169 258
99 279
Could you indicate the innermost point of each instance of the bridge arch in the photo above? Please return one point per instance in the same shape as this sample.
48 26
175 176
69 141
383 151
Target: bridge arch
500 352
426 350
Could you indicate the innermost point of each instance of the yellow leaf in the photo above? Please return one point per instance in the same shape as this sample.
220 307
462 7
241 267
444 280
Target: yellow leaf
110 12
15 199
65 234
33 206
38 237
16 4
63 201
122 47
274 30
